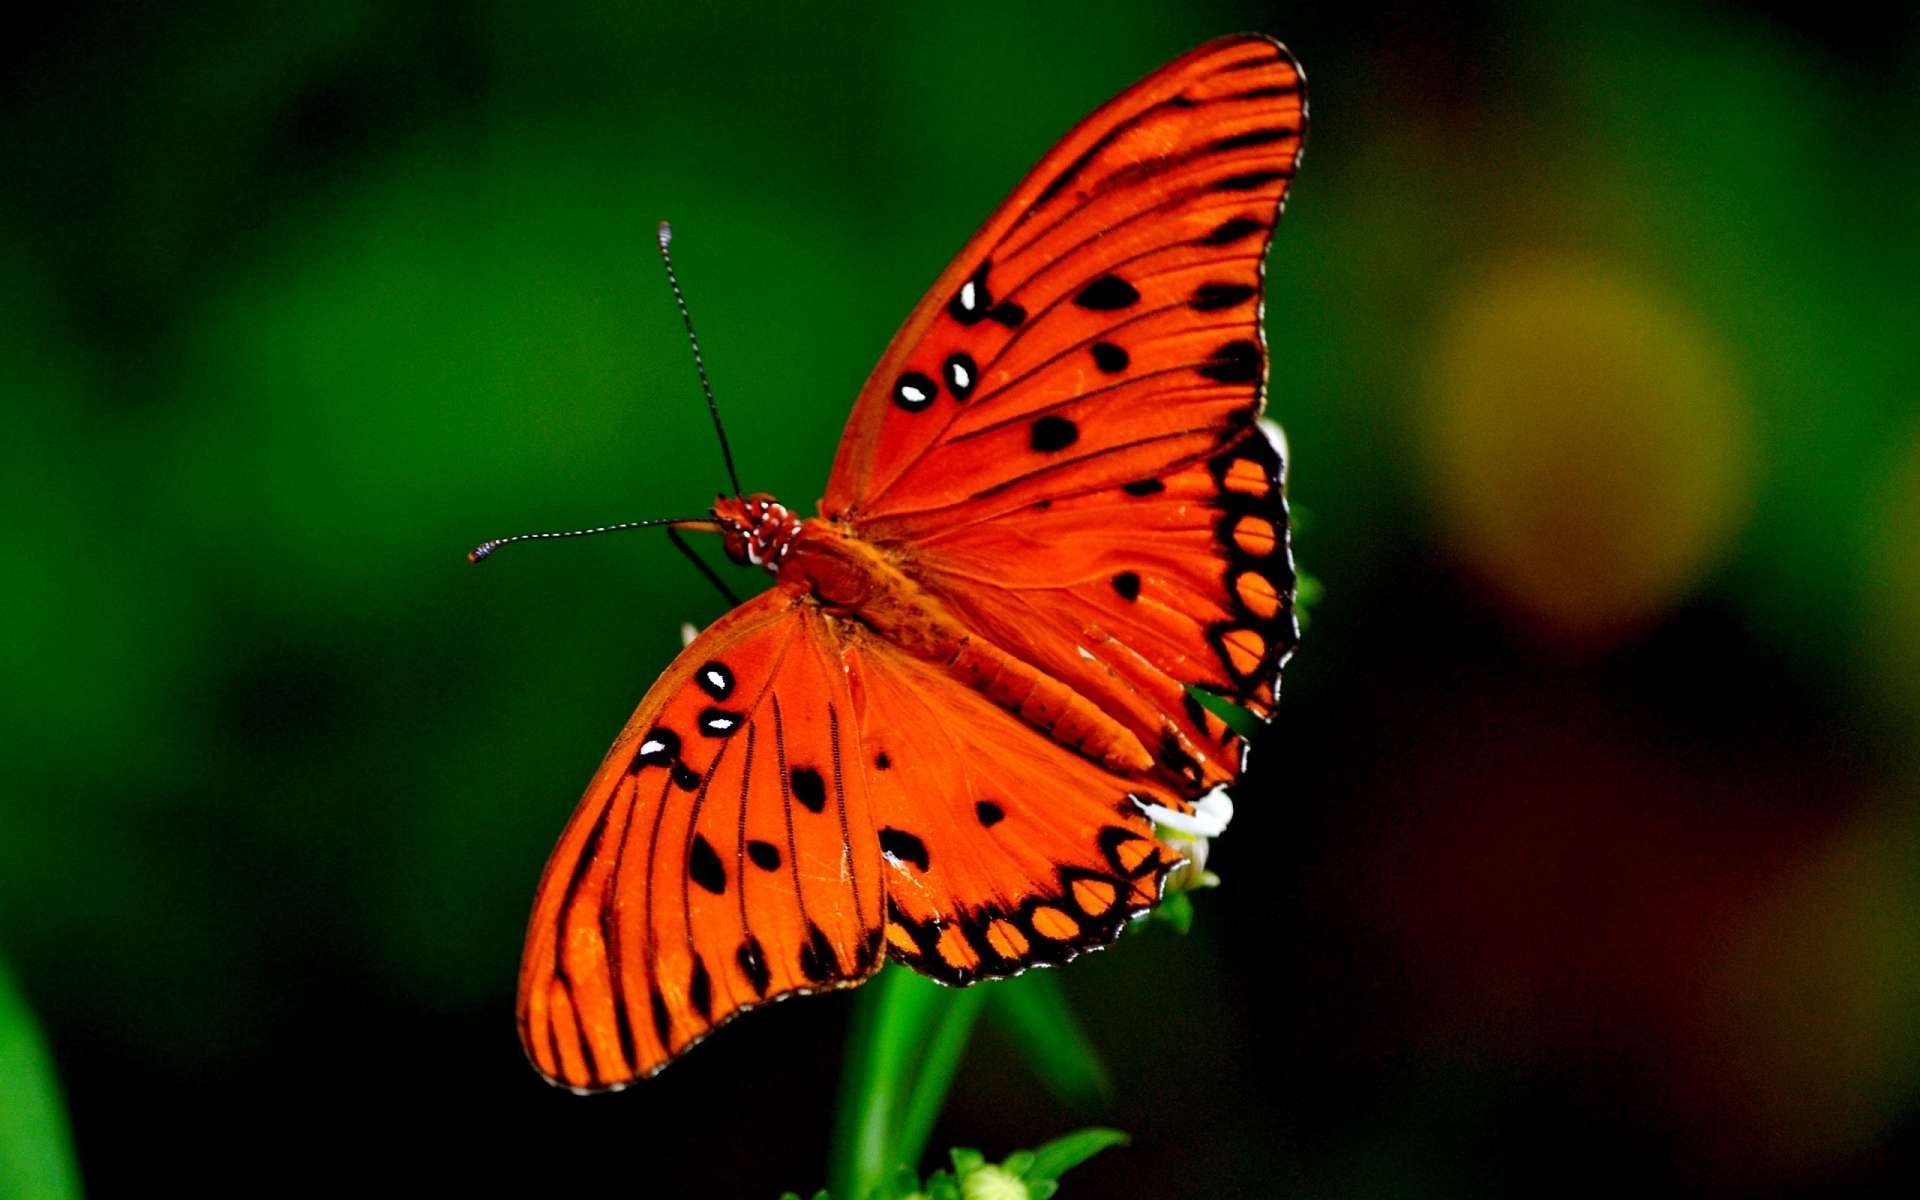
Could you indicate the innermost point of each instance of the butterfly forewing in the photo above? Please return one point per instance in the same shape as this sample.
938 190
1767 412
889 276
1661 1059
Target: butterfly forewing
723 856
1082 474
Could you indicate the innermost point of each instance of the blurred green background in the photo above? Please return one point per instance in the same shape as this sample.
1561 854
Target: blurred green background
1585 854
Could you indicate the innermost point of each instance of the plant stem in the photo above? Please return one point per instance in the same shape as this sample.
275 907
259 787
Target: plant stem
945 1047
907 1038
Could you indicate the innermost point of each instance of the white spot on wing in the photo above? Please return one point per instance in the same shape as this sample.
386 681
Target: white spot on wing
967 300
652 746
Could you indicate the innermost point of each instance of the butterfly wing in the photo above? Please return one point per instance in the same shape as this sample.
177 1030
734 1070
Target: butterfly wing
1002 849
1062 439
723 856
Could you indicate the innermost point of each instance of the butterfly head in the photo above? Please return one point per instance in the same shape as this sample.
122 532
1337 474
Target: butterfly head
757 530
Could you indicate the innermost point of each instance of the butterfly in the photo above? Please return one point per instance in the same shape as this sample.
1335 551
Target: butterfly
945 733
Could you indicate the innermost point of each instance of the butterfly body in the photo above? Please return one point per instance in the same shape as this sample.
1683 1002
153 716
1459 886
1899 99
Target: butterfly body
855 581
945 735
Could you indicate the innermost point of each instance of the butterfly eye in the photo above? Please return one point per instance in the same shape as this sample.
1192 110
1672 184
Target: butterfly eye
915 391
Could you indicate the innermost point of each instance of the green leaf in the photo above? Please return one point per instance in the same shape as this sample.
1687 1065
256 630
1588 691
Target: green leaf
1032 1011
903 1184
1063 1154
1307 593
36 1153
965 1161
1238 719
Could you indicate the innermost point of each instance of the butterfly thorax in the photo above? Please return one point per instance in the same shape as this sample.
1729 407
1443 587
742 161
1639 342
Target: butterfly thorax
874 587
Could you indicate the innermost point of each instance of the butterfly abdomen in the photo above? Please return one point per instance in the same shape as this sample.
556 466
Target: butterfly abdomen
853 578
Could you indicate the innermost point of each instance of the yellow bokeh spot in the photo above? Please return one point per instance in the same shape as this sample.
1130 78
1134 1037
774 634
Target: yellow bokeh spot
1586 444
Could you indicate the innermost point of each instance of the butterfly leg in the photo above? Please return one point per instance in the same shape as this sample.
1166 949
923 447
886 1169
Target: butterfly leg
693 556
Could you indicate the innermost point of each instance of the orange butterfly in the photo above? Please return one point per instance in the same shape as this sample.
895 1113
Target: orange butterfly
945 733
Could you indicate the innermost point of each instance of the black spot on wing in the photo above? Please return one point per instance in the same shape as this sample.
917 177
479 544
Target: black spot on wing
961 374
1212 297
915 392
1235 362
1143 487
1009 314
703 866
809 789
765 855
904 847
1127 583
990 814
1110 358
1251 180
716 680
659 748
817 960
973 301
1233 230
1051 434
1108 293
700 989
662 1022
753 964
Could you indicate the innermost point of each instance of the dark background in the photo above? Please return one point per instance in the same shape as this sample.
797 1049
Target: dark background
1584 856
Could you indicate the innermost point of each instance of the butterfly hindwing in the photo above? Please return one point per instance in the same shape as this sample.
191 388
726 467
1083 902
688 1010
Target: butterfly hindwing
723 856
1133 593
1002 850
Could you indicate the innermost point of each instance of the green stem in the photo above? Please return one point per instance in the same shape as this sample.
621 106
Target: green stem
941 1060
907 1038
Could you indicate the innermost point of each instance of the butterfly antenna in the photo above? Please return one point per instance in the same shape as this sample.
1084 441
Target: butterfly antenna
699 363
485 549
